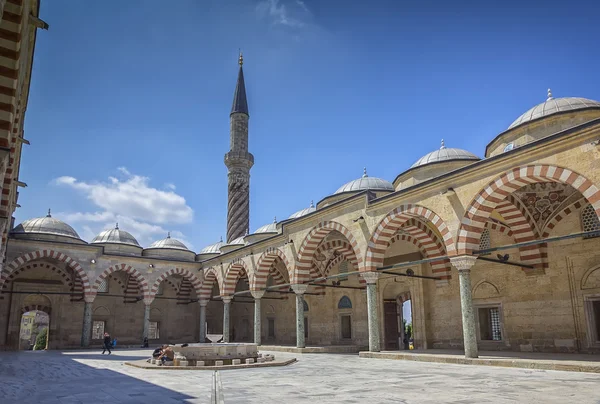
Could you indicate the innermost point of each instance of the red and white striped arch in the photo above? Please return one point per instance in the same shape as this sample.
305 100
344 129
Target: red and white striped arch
265 267
211 275
311 242
42 255
560 216
498 226
143 283
237 269
186 273
498 190
393 221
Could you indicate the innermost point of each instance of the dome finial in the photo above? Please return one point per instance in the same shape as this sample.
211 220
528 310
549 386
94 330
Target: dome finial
117 226
275 219
48 215
549 94
312 205
169 234
443 145
241 58
221 239
365 172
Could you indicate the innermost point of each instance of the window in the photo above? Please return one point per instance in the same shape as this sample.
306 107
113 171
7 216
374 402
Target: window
153 330
305 327
103 287
161 289
98 329
589 221
596 313
593 316
345 303
489 324
271 327
346 325
343 269
484 241
509 147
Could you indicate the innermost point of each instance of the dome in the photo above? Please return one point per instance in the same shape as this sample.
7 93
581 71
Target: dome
46 225
213 248
115 236
169 243
444 154
268 228
304 212
239 240
366 182
553 106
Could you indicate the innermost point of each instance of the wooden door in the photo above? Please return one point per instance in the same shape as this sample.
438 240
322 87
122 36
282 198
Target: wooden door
390 310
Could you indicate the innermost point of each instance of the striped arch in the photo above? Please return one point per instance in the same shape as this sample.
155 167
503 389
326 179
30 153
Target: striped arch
388 226
431 245
211 275
499 189
42 254
264 268
497 225
186 273
560 216
310 244
143 283
524 229
236 270
343 247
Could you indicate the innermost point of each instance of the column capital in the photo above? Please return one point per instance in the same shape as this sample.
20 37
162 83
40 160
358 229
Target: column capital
300 288
203 302
257 294
370 277
148 301
89 298
463 262
226 299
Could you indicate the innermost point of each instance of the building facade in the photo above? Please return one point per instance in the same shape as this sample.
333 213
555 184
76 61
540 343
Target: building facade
500 252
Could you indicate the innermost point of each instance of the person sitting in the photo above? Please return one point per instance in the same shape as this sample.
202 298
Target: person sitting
157 352
167 355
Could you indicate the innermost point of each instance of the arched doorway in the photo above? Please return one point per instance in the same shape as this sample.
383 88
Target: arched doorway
34 328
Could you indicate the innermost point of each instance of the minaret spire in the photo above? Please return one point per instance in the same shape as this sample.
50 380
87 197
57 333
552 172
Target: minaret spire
238 161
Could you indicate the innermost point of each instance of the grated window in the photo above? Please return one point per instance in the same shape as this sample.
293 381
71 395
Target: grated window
343 269
103 287
589 221
484 241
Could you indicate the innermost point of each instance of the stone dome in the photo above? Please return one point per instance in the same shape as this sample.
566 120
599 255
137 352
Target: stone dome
45 225
553 106
213 248
444 154
304 212
115 236
268 228
237 241
169 243
365 182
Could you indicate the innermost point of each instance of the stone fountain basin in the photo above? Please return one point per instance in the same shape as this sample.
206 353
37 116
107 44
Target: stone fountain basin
217 351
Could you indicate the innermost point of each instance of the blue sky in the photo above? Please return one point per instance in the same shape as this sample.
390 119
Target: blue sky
128 112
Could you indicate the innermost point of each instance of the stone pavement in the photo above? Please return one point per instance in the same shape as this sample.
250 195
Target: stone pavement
88 377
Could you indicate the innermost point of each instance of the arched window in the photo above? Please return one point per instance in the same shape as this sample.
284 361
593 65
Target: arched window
484 241
305 305
589 221
345 303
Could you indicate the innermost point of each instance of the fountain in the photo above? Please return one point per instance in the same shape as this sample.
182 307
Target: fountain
215 354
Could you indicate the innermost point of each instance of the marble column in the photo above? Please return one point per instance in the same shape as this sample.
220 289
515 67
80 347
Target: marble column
87 321
372 309
226 307
464 264
300 290
202 333
146 320
257 294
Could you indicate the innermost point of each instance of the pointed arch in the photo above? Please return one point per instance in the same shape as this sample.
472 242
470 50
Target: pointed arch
236 270
497 225
497 190
264 266
484 289
311 243
431 246
211 275
388 226
561 215
49 254
186 273
591 278
143 283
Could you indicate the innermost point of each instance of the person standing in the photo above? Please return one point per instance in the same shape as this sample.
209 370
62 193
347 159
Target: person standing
107 343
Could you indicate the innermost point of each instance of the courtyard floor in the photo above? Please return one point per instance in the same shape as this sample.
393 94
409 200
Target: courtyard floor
89 377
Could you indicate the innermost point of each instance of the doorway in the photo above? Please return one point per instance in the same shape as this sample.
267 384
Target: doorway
34 329
398 323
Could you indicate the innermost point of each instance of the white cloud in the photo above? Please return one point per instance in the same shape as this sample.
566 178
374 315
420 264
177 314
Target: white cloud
146 212
293 14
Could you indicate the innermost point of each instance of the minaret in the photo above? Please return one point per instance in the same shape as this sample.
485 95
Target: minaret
238 162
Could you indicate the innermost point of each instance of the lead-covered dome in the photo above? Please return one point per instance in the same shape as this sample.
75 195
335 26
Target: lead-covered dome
115 236
268 228
213 248
364 183
169 243
553 106
46 225
304 212
444 154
